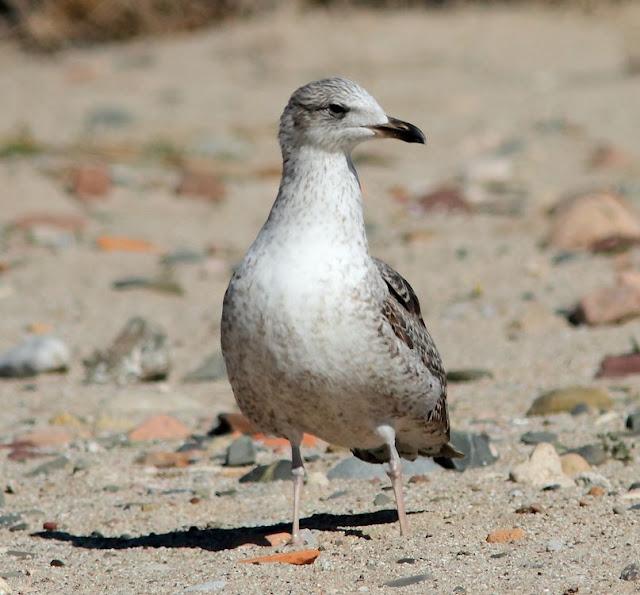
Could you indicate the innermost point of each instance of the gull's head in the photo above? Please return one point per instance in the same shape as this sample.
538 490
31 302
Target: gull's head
335 115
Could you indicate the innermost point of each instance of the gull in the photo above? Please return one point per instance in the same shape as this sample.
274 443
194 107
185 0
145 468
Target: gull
317 335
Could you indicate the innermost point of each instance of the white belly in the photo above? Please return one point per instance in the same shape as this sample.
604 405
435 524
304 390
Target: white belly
299 331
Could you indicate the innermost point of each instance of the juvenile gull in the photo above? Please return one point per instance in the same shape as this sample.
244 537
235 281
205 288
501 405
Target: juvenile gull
317 335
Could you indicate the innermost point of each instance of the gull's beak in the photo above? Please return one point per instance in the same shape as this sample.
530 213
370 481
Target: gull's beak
400 130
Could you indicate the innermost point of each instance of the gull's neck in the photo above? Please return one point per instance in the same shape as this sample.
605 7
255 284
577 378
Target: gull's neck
319 200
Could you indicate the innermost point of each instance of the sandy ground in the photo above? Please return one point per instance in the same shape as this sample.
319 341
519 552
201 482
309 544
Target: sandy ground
548 86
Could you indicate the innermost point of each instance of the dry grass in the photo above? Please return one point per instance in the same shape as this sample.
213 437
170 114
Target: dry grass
52 24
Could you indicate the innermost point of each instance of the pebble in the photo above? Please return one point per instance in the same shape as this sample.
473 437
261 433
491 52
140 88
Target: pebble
211 369
90 181
573 464
533 438
44 437
534 508
56 563
468 374
618 366
280 470
163 283
631 573
201 185
594 453
8 520
617 509
139 353
506 535
50 526
405 581
446 199
476 448
317 478
35 355
554 545
589 479
160 427
46 468
581 221
240 452
164 460
542 469
633 422
381 500
353 468
609 305
566 399
208 587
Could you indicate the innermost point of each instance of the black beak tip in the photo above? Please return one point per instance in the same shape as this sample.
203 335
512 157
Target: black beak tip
404 131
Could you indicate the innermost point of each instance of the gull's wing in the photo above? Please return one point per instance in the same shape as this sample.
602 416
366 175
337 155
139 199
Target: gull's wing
401 309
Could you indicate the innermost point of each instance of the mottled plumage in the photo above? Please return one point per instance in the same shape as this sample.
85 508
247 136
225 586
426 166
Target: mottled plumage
317 335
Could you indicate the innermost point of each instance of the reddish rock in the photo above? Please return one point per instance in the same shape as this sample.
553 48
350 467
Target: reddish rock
160 427
585 220
44 437
609 157
72 223
201 185
609 305
506 535
90 182
597 491
616 366
308 441
446 199
50 526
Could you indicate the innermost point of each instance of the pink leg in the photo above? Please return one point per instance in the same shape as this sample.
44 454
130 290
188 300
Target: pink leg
395 474
297 470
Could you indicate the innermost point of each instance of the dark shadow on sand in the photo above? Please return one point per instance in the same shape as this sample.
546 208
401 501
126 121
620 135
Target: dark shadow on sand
215 539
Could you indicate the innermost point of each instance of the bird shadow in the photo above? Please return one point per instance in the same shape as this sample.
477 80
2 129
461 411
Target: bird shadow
217 539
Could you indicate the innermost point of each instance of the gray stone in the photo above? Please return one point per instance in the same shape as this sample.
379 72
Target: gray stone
633 423
475 447
8 520
208 587
381 500
211 369
45 468
353 468
162 283
594 453
617 509
139 353
405 581
280 470
468 374
33 356
241 452
589 479
534 438
555 545
630 573
182 256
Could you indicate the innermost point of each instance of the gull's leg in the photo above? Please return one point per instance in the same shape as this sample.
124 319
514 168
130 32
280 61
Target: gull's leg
297 471
395 474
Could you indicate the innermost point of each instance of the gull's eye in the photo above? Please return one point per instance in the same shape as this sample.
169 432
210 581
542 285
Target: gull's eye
337 110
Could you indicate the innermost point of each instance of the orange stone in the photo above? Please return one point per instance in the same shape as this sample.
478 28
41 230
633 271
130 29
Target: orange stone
297 558
276 539
160 427
597 491
506 535
124 244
